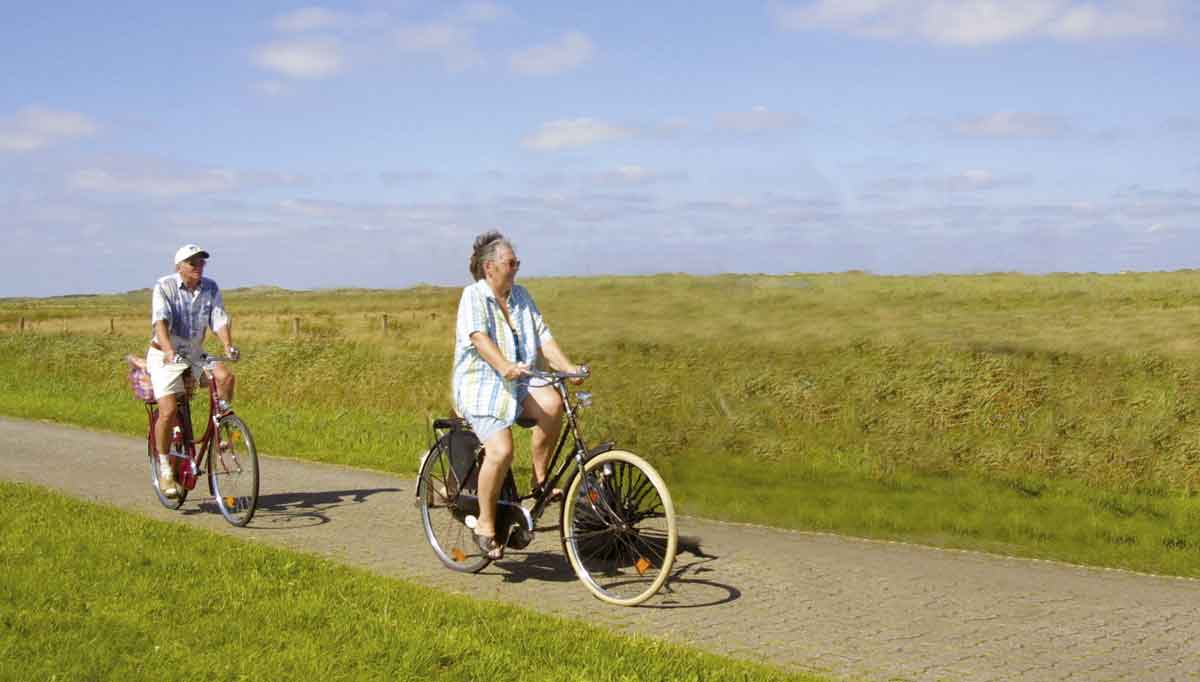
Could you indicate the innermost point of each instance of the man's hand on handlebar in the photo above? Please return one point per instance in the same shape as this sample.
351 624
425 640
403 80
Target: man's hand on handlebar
232 353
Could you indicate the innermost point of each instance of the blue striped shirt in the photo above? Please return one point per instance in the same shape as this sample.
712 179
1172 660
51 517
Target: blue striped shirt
478 388
188 314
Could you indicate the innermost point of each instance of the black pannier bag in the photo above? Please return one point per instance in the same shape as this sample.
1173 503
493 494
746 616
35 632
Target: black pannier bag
463 446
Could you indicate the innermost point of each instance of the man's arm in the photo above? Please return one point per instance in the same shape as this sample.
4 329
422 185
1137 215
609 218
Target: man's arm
226 335
162 335
219 321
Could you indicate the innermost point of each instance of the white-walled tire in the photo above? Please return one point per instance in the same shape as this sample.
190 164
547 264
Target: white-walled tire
618 528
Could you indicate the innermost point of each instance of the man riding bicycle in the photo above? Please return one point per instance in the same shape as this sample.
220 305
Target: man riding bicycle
184 305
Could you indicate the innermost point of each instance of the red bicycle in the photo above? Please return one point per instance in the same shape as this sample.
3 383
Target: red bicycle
225 452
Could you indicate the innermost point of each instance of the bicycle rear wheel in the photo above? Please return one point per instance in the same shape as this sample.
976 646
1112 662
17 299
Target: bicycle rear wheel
233 471
444 512
618 528
168 502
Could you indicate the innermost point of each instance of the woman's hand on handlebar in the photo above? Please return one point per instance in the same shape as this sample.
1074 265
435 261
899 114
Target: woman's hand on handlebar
515 371
580 369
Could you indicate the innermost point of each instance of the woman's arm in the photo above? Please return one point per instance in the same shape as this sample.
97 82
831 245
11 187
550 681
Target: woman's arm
490 352
558 359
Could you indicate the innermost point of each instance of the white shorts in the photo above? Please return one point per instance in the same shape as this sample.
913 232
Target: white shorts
167 377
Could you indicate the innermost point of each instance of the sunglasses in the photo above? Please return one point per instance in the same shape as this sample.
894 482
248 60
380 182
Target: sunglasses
196 262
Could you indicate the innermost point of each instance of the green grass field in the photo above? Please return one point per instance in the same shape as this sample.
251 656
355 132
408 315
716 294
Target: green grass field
1039 416
88 592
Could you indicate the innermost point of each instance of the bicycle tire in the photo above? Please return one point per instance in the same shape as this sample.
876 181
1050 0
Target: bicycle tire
443 517
233 471
618 528
171 503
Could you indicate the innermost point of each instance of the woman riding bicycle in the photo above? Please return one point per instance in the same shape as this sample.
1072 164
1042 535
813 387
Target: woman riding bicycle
500 333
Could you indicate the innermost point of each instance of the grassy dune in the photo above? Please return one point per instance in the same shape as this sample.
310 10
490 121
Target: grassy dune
92 593
1043 416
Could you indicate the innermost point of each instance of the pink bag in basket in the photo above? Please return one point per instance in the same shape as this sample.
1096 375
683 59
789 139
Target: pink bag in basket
139 378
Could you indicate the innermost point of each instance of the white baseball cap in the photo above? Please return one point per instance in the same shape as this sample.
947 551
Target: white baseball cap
187 251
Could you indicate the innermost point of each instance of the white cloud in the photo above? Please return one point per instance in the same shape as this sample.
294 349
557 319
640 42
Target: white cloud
1088 22
161 178
37 127
577 132
403 178
981 179
482 12
634 174
308 19
153 183
758 119
980 22
316 58
1011 124
455 44
566 53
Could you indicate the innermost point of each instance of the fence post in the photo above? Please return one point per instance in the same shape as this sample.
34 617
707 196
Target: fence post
295 326
21 327
385 324
111 326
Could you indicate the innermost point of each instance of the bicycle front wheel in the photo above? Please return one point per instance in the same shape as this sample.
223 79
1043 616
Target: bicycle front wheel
444 512
618 528
233 471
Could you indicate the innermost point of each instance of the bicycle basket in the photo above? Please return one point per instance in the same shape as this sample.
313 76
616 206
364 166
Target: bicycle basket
139 379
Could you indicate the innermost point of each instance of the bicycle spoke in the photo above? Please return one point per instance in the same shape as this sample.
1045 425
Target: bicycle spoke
618 529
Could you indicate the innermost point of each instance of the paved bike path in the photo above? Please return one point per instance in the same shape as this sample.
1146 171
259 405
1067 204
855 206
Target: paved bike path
842 606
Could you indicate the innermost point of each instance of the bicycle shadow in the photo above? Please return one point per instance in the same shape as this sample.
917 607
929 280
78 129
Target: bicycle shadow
297 510
682 590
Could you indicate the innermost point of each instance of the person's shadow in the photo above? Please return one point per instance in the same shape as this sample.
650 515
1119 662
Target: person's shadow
301 509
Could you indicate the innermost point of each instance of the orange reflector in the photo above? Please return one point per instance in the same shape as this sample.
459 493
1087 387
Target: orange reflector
641 565
458 554
593 496
230 502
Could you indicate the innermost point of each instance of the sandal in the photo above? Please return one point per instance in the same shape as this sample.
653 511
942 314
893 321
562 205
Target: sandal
491 549
556 494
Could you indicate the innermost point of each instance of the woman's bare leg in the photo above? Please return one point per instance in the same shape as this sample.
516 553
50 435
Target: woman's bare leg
544 405
498 456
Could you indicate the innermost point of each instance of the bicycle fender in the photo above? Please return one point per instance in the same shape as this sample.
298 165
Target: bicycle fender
600 449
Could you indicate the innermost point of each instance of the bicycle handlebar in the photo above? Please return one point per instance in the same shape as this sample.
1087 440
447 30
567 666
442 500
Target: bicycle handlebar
583 373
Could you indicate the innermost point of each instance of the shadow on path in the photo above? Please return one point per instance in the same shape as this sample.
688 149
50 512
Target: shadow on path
301 509
684 590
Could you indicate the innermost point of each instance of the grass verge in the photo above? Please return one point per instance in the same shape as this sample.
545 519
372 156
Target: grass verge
1050 417
91 592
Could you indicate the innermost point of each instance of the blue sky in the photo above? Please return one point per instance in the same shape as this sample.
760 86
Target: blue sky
365 144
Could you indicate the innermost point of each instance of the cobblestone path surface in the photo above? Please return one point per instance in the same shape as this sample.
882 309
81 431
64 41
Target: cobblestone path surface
849 608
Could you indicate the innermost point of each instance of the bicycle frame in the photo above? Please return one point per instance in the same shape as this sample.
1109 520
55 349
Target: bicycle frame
579 456
184 420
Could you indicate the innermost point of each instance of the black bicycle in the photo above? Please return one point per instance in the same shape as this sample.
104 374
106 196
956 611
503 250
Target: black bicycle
617 522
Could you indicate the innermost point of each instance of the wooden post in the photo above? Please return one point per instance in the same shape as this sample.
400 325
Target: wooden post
21 327
111 326
295 326
385 324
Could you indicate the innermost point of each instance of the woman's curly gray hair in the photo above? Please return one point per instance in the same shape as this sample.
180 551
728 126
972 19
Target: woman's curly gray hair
484 250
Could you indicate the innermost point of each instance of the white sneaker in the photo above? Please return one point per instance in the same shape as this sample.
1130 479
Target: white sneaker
166 481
